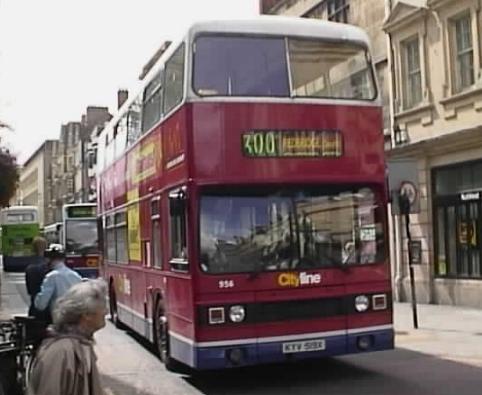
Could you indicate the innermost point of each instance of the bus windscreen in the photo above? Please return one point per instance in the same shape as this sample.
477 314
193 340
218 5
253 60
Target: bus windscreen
258 66
290 229
81 237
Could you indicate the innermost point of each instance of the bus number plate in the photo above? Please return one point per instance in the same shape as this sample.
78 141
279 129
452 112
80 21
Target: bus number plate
304 346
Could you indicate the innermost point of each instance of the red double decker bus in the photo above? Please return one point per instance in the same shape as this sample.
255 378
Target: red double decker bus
243 198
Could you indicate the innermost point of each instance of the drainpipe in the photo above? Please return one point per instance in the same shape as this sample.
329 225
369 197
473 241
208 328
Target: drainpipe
396 254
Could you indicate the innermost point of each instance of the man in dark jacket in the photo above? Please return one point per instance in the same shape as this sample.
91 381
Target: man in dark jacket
34 276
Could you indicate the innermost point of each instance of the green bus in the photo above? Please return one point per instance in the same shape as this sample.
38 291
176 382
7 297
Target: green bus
19 225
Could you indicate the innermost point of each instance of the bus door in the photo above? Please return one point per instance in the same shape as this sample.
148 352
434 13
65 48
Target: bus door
177 284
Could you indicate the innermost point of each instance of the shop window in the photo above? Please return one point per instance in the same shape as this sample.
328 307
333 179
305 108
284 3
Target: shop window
458 221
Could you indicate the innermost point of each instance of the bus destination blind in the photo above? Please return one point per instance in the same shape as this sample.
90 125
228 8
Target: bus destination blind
292 143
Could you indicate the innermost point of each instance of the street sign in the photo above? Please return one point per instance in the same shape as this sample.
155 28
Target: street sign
403 181
408 189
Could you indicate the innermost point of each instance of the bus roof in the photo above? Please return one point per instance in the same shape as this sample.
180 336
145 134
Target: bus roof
80 204
263 25
19 208
274 25
283 26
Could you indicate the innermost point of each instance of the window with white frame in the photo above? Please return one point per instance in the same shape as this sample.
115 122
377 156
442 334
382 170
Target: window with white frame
463 53
412 73
338 10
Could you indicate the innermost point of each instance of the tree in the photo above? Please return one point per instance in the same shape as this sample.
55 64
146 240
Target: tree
8 173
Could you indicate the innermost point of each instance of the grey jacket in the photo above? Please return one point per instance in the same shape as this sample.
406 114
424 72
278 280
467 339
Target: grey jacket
65 365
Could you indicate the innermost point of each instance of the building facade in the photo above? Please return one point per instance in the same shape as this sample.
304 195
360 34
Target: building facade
94 118
36 186
437 115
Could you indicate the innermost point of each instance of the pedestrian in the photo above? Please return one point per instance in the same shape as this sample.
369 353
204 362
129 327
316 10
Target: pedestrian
66 362
34 276
58 281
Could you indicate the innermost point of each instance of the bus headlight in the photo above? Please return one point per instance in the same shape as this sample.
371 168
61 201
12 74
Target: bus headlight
361 303
237 313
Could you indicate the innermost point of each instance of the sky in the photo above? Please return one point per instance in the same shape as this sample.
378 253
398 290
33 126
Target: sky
59 56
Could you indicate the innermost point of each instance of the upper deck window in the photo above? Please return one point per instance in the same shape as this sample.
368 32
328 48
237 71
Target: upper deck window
330 69
174 80
257 66
240 66
19 218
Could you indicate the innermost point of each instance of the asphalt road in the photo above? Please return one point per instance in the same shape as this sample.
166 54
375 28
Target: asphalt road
130 367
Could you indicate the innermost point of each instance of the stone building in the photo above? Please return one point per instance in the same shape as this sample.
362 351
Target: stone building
95 117
437 115
36 186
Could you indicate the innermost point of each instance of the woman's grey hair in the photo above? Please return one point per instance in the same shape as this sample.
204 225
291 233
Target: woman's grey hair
83 298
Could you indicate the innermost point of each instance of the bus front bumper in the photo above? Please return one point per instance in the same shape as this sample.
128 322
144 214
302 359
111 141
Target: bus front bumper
237 355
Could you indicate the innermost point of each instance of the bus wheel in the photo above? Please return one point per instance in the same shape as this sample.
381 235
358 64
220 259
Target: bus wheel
161 339
114 316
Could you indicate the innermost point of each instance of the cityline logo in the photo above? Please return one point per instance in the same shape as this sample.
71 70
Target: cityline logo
293 279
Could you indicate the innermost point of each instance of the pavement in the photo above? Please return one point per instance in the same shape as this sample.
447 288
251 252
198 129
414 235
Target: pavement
447 332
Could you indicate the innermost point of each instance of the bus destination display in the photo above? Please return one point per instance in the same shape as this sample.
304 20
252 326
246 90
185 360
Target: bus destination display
293 143
81 212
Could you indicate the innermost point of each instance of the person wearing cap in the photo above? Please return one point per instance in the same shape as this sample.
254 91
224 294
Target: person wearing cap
58 281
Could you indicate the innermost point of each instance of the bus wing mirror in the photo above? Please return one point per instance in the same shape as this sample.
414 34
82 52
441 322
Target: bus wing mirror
177 201
176 206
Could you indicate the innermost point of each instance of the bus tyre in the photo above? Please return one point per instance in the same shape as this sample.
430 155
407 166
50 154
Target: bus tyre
161 339
114 316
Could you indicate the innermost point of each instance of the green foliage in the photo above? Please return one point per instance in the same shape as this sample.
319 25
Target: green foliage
8 177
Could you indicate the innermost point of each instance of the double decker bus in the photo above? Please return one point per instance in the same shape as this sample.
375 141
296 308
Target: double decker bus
79 236
19 225
242 197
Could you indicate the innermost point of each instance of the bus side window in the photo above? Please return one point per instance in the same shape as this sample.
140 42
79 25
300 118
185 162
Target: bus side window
110 246
156 248
100 233
121 238
178 230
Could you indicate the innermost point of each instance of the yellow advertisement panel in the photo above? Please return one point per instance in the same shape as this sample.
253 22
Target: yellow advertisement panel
133 226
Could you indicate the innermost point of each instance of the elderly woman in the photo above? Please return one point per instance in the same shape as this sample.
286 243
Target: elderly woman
66 362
